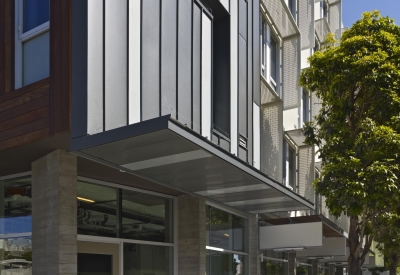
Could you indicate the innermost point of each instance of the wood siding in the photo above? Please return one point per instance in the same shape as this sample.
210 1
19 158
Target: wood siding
41 109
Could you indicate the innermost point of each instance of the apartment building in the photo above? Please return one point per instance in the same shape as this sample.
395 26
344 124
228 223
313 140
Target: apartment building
162 137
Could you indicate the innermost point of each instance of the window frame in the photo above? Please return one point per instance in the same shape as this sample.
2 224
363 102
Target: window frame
289 157
22 37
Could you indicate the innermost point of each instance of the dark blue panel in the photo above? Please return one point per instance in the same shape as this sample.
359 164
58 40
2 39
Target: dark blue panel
197 14
250 83
36 12
242 114
150 59
168 57
184 61
256 53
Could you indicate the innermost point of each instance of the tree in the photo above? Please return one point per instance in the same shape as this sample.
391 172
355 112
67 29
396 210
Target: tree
387 233
358 82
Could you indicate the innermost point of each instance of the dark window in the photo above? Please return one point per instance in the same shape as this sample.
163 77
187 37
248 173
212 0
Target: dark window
36 12
306 106
274 63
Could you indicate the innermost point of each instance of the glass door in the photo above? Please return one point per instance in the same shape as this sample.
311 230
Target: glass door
98 258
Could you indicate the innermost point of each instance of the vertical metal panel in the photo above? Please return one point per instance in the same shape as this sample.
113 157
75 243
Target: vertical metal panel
115 64
150 59
79 68
256 136
95 77
334 18
196 84
184 61
243 19
242 86
134 61
306 23
271 140
306 172
315 105
291 70
234 73
225 3
168 57
256 52
206 76
250 83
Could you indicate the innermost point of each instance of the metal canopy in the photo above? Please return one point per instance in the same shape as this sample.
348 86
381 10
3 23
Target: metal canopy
165 151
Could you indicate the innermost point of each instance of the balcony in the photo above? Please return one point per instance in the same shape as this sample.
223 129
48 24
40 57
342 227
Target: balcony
322 29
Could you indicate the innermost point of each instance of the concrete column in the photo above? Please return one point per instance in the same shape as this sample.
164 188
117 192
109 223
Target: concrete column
292 263
54 214
254 259
331 269
315 270
191 235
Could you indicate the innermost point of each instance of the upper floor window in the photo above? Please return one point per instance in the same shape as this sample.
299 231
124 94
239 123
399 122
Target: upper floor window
292 7
305 106
289 165
269 53
324 10
32 39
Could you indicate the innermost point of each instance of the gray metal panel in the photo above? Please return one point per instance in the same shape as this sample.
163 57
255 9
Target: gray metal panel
250 84
184 61
150 59
168 57
256 52
291 72
243 19
306 23
116 63
95 61
270 140
242 114
334 19
306 172
79 68
315 105
197 16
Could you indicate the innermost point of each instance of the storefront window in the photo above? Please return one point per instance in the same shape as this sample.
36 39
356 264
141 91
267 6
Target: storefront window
274 263
227 244
16 219
147 259
146 217
97 210
303 269
112 212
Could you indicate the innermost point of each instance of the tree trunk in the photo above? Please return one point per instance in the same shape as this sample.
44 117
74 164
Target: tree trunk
355 261
394 262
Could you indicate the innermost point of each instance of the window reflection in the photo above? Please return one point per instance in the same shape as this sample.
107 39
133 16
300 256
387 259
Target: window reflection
15 206
226 263
16 256
274 263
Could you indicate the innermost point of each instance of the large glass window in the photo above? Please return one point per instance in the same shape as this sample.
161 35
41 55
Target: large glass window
113 212
147 259
226 238
289 165
274 263
16 220
32 53
269 53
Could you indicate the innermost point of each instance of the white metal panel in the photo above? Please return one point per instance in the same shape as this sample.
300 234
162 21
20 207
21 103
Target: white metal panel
335 19
256 136
116 64
306 23
134 61
330 247
306 172
95 77
206 77
234 76
291 72
291 235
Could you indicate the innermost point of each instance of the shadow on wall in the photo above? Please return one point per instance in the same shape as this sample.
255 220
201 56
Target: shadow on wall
270 140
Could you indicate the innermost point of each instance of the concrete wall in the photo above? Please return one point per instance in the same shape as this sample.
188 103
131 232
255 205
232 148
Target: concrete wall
54 210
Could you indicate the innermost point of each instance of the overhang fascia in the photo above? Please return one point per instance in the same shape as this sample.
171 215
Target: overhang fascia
244 195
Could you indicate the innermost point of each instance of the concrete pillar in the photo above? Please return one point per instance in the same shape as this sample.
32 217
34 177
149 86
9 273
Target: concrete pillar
331 269
292 263
315 269
54 214
254 259
191 235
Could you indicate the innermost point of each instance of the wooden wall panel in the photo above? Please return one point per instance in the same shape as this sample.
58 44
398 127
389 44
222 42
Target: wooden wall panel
6 46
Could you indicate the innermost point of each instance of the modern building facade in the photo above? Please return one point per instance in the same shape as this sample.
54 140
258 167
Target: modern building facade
162 137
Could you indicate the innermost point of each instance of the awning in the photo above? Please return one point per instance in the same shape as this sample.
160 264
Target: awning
165 151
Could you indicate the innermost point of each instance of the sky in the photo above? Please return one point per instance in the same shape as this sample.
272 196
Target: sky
352 9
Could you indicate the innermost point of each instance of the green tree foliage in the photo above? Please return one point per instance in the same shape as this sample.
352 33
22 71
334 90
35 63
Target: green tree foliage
387 233
357 128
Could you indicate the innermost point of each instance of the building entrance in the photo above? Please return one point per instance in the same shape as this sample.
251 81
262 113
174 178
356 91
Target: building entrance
98 258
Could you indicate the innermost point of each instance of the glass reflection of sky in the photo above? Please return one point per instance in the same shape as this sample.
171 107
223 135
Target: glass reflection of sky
16 225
